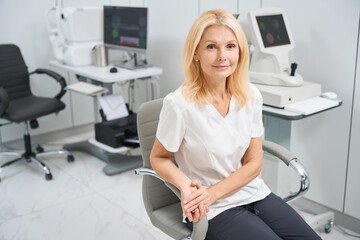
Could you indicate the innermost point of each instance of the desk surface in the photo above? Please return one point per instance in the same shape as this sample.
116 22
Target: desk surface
288 115
104 75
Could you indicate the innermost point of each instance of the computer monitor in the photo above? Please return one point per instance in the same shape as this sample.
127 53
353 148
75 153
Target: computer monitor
125 28
273 30
268 31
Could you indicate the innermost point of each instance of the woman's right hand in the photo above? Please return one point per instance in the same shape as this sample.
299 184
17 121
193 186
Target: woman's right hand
202 196
161 162
198 213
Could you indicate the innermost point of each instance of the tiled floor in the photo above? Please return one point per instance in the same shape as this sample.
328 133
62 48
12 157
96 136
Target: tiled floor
80 203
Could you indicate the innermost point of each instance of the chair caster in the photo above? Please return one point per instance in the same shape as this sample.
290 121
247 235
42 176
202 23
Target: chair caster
39 149
70 158
328 227
48 176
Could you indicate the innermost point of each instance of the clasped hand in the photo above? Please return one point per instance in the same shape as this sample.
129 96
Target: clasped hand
195 201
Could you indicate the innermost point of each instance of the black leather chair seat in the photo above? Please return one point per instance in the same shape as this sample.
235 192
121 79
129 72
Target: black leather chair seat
31 107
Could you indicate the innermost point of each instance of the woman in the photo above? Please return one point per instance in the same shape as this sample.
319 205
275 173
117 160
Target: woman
213 125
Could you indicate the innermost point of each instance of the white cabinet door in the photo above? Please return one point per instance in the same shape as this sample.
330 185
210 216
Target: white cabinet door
352 197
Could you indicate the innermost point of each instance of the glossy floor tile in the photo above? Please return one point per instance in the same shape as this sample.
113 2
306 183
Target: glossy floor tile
81 202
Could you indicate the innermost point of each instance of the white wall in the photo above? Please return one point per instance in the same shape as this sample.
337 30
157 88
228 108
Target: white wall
325 32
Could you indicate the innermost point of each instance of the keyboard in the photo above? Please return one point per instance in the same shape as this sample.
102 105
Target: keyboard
311 105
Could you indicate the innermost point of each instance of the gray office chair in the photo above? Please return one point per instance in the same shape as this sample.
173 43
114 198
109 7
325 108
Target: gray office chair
19 105
162 200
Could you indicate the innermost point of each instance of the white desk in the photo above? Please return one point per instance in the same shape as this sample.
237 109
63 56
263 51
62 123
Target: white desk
102 76
277 124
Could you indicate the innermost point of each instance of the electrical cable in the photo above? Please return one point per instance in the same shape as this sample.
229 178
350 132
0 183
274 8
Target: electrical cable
131 94
345 232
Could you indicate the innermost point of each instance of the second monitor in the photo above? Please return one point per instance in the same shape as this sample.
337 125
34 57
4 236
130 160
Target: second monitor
125 28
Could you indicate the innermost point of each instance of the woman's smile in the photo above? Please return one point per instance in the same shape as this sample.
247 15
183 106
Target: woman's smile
222 67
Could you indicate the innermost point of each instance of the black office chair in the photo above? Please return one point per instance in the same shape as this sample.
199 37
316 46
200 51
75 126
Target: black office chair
18 104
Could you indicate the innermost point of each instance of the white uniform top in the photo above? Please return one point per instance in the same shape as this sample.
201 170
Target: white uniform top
209 147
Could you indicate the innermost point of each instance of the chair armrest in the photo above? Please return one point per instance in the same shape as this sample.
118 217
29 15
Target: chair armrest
199 228
304 181
4 101
278 151
147 171
289 159
57 77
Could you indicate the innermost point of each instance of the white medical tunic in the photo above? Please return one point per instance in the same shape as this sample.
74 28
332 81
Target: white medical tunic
209 147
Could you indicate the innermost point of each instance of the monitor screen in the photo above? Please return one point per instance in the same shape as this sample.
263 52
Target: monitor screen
273 30
125 28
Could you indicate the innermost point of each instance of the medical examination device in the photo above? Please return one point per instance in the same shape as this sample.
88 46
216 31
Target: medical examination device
270 40
76 31
125 28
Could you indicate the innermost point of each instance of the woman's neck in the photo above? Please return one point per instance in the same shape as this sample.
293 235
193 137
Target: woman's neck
217 90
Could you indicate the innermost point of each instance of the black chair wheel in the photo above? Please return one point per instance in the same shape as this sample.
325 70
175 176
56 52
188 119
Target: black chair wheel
328 227
48 176
40 149
70 158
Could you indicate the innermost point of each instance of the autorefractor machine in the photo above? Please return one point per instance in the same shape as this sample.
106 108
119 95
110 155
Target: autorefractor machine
270 41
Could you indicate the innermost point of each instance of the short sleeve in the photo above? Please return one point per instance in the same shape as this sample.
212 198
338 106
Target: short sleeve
171 127
257 128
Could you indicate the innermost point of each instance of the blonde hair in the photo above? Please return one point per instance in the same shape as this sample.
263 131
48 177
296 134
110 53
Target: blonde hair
237 84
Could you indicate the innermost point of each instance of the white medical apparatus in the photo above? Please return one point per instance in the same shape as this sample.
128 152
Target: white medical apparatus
77 30
270 40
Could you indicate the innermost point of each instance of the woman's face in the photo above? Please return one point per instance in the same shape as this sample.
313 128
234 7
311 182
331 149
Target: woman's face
218 52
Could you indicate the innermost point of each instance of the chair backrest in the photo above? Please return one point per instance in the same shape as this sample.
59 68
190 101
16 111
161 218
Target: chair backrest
148 118
156 195
14 75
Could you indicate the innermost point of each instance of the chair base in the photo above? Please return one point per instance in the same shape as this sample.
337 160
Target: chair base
33 157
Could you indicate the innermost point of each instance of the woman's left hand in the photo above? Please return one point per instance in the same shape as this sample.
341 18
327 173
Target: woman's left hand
200 196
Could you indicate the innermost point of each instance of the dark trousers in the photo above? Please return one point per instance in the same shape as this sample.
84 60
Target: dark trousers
270 218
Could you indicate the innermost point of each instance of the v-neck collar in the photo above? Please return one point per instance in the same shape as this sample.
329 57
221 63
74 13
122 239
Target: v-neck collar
216 112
